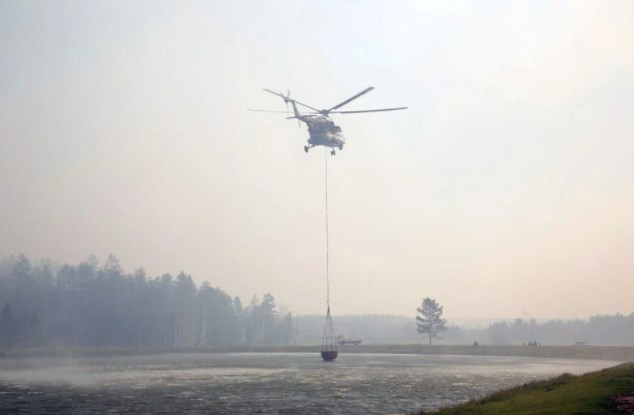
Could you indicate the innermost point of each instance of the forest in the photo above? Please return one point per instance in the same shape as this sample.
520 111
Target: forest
617 329
88 304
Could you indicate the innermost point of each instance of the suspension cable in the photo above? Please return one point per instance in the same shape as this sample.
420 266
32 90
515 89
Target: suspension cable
327 237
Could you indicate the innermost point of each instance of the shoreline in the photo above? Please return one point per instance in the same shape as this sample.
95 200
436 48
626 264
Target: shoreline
614 353
607 391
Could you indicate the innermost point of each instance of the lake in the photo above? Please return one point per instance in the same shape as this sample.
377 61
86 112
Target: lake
267 383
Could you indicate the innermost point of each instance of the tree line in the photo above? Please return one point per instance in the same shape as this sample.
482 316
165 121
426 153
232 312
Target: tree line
615 329
92 305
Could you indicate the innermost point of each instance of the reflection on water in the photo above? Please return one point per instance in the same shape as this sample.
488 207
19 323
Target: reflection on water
279 383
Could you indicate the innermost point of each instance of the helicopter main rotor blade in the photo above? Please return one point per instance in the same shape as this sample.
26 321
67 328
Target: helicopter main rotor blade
274 93
287 99
365 91
280 112
377 110
304 105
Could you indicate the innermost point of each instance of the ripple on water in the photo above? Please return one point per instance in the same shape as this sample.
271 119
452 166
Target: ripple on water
269 383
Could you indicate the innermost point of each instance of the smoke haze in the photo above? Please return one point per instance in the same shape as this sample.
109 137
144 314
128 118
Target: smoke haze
506 189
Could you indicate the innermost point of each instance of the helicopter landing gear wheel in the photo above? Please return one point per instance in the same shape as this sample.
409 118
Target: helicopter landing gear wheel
340 146
332 153
306 149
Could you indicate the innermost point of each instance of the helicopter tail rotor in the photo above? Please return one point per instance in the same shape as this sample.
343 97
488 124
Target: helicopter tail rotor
287 99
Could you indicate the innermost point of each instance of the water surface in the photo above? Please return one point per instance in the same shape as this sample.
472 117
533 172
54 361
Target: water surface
277 383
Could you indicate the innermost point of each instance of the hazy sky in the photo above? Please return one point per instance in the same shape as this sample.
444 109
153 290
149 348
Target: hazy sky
506 189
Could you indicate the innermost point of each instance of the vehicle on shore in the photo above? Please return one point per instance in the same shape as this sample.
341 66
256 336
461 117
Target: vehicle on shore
341 341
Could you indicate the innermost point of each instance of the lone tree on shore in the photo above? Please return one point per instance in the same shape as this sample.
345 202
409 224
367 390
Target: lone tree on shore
429 320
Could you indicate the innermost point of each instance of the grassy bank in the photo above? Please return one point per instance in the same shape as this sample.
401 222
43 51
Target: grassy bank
609 391
615 353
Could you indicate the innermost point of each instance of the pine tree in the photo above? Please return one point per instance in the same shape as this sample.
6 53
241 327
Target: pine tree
430 321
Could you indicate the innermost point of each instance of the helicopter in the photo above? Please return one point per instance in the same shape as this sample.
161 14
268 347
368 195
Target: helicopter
322 130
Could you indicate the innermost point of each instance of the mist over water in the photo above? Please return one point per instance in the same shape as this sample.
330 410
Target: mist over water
279 383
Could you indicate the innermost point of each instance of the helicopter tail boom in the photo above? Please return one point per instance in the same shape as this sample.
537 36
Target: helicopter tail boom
295 110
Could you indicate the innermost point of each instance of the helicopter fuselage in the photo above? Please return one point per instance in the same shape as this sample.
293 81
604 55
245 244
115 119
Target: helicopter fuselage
323 132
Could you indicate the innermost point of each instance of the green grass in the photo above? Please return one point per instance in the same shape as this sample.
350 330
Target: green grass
589 394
